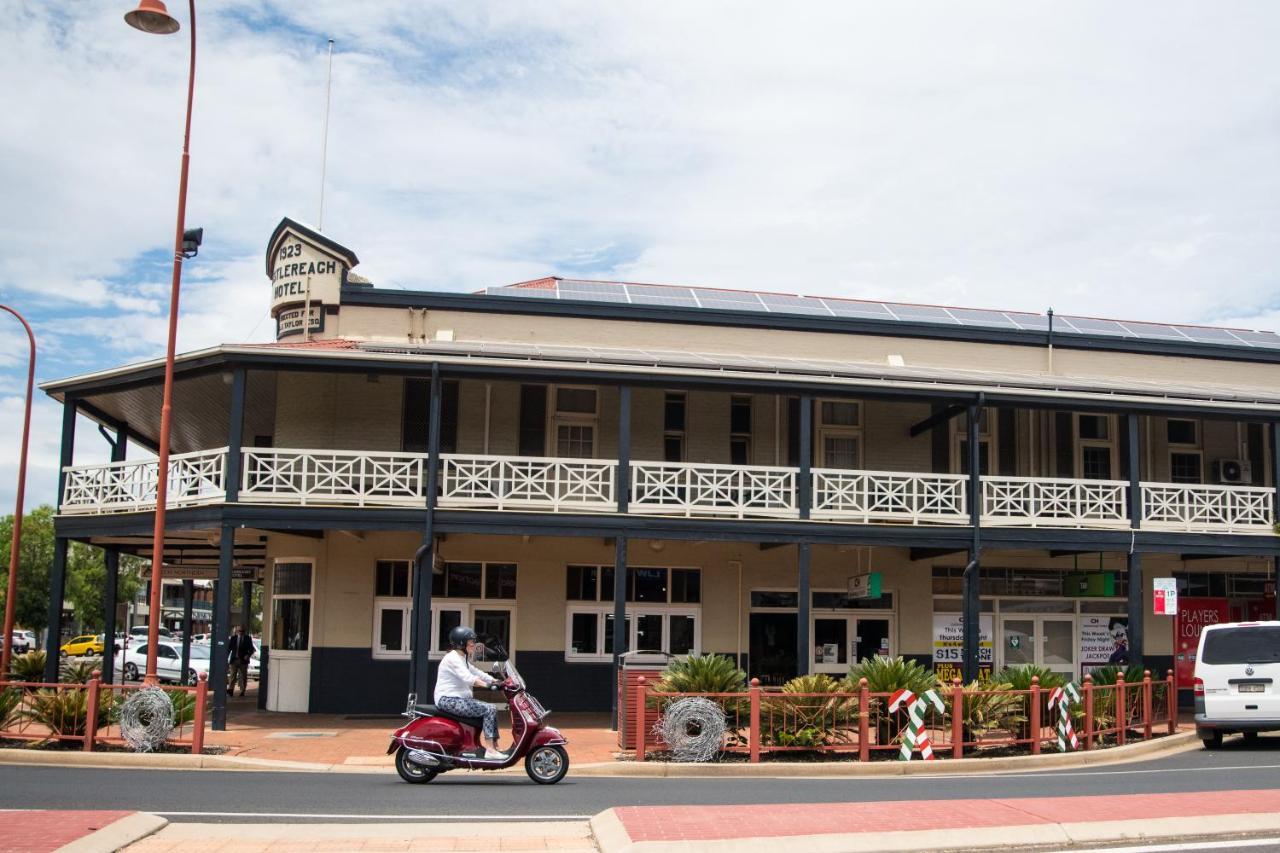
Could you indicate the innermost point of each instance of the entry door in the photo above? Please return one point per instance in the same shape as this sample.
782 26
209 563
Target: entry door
1048 641
840 640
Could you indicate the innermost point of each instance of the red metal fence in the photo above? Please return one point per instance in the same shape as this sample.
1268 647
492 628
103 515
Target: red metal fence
759 721
88 713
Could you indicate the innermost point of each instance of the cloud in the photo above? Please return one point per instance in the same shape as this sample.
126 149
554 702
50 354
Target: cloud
1102 159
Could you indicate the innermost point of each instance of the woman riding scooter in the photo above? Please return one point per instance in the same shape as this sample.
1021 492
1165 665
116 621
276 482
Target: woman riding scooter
456 679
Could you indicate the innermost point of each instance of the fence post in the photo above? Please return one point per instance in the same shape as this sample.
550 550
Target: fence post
1173 702
1122 711
91 711
1088 712
754 737
1035 714
197 722
1146 704
864 720
641 691
957 718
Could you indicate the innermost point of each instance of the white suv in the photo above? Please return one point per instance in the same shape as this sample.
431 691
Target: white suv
1237 681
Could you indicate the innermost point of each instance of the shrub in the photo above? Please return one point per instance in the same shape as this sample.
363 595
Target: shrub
28 667
886 675
79 671
788 719
1019 677
184 706
702 674
10 703
62 712
988 709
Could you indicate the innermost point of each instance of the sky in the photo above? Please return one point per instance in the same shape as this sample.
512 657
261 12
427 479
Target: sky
1104 159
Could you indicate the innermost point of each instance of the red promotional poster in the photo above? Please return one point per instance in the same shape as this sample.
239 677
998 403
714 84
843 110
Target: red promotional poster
1193 615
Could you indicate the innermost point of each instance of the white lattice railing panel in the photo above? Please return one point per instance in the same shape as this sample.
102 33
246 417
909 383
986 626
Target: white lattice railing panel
194 479
522 482
333 477
867 496
1211 509
690 489
1040 502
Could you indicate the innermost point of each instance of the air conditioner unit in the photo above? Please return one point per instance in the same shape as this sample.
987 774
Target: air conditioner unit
1236 471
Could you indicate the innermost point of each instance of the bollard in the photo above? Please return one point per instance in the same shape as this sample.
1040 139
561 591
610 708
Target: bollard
754 733
1088 712
91 711
1146 704
957 718
641 690
1173 702
1035 714
197 722
864 720
1122 710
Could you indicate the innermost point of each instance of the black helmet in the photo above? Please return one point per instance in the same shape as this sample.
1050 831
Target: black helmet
460 636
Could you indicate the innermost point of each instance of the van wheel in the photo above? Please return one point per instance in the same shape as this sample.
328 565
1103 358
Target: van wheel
1211 740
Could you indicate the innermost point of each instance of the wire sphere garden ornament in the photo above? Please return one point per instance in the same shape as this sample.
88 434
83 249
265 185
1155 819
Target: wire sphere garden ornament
146 718
693 728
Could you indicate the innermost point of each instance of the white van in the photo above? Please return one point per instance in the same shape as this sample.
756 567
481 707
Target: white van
1237 681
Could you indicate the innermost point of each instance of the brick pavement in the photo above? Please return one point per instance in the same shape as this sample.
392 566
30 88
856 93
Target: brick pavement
38 831
713 823
314 838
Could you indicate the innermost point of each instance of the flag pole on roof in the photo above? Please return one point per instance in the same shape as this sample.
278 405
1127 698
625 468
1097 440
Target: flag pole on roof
324 138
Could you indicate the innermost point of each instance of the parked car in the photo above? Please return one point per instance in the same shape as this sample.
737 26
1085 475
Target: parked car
132 662
85 644
202 639
1237 680
141 631
20 644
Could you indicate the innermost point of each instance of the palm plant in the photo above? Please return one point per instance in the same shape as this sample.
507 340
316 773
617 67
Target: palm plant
888 675
79 671
1019 677
28 667
10 705
798 717
62 712
184 706
989 707
702 674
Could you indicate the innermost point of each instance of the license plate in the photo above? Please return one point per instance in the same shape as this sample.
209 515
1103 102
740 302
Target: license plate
1251 688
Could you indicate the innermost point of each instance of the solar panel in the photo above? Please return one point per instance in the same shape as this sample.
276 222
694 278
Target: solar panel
784 304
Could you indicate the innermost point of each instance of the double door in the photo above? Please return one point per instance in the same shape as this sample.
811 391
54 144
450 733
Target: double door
1048 641
840 640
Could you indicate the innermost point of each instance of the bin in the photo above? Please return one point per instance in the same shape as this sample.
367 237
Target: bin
632 666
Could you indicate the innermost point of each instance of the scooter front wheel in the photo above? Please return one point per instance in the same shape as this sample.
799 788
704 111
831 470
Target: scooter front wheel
547 765
414 774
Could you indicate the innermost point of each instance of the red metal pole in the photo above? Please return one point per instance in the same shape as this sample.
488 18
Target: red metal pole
162 463
755 721
864 721
1035 714
641 690
1173 702
197 722
957 718
1122 710
15 541
1088 712
91 712
1146 704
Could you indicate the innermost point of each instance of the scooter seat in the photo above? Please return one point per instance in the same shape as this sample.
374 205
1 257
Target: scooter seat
437 711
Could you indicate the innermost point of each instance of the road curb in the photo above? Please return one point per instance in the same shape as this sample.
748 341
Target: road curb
1011 764
117 835
611 836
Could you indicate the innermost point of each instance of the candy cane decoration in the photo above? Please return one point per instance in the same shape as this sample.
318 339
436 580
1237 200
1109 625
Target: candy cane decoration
916 736
1063 697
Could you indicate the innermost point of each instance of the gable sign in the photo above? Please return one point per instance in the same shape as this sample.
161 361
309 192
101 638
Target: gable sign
307 271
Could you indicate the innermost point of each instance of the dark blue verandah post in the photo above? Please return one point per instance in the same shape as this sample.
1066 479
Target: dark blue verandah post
623 482
971 607
424 559
1137 585
58 570
111 562
804 501
222 626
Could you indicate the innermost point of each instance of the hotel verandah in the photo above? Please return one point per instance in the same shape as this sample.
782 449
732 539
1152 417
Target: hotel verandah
743 454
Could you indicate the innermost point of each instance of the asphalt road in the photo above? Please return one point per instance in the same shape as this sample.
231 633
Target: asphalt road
249 796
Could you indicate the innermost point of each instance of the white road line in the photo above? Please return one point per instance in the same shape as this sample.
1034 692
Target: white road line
416 817
1189 845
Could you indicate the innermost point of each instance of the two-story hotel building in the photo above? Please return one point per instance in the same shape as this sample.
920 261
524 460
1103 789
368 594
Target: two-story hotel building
578 468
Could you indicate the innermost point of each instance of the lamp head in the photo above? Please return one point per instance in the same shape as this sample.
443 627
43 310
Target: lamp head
152 17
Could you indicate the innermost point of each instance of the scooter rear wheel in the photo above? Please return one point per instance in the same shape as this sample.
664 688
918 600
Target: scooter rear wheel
415 774
547 765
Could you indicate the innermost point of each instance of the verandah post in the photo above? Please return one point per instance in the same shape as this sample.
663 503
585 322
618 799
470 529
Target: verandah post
1035 714
864 720
91 711
754 736
957 718
641 697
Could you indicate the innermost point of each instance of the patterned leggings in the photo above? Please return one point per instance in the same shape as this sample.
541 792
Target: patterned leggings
472 708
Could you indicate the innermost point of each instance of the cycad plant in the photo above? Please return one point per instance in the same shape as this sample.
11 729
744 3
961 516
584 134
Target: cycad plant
1019 677
79 671
62 712
10 705
804 715
989 707
28 667
888 675
702 674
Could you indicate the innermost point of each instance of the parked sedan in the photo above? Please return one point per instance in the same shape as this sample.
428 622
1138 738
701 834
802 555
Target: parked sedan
133 662
85 644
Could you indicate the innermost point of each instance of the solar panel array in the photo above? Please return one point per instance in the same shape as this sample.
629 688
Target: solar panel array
576 290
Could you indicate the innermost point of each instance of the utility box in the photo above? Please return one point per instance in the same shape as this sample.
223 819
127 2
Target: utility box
633 665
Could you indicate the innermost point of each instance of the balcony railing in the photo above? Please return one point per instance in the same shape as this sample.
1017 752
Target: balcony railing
194 479
297 477
516 482
735 491
1231 509
867 496
333 477
1043 502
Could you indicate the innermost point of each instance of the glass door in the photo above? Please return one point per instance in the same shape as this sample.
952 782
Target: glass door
831 643
1017 641
874 636
1058 645
1048 641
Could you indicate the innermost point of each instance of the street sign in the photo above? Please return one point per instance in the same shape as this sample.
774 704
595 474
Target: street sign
1166 596
865 586
205 573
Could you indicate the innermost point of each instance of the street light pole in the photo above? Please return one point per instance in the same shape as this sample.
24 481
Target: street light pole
152 17
16 541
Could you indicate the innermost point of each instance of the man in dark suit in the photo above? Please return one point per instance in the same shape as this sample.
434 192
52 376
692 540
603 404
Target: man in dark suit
239 650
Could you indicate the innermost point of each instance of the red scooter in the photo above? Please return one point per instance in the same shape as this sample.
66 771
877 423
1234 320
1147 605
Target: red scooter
435 741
